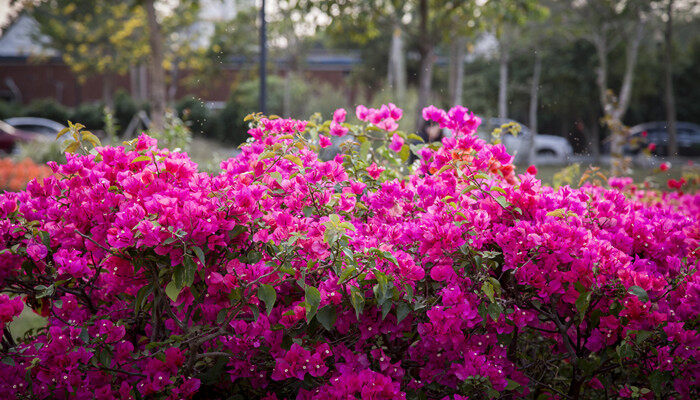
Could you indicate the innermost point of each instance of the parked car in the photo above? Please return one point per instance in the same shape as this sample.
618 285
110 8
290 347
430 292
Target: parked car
40 126
10 136
548 148
688 137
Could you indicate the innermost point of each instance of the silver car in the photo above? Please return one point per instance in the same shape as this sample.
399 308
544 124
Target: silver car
549 149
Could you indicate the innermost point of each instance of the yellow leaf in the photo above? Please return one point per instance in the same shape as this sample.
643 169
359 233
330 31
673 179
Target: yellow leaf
71 148
296 160
62 132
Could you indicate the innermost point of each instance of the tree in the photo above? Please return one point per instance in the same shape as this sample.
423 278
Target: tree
155 39
505 17
607 24
106 38
94 37
668 70
362 22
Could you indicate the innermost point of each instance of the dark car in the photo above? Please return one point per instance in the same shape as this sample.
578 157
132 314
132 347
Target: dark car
688 137
10 136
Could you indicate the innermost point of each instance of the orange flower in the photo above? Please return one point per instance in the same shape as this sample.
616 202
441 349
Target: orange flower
14 176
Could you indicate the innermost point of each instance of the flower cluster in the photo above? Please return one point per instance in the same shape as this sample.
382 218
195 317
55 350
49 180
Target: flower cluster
285 276
14 175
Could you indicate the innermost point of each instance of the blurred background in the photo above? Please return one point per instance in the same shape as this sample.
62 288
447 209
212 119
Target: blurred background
614 83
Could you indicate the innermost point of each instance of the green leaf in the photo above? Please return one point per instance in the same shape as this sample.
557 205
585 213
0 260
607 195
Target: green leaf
296 160
413 136
312 298
402 310
140 158
173 290
347 272
386 308
179 275
512 385
9 361
200 254
253 257
502 201
642 336
657 380
487 288
190 270
105 357
327 316
221 316
496 285
44 291
443 169
141 296
582 303
640 293
494 311
357 300
268 295
255 311
45 238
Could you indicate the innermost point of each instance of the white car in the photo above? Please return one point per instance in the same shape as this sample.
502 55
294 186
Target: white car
41 126
549 149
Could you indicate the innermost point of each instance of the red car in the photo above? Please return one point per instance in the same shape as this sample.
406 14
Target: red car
10 136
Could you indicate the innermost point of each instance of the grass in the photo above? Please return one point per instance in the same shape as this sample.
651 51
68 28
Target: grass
656 178
25 322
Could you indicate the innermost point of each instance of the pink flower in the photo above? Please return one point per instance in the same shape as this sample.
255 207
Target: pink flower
361 112
37 251
388 125
374 171
337 129
324 141
394 112
532 170
396 143
339 115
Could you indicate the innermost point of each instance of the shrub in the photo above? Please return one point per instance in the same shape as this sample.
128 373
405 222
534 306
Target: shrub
49 109
125 107
9 109
41 151
287 277
194 113
227 125
90 115
175 134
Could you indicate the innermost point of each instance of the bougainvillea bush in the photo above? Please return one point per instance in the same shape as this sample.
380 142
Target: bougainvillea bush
285 276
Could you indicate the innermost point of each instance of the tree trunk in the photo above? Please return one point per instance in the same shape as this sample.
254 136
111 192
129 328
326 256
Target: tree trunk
503 80
287 95
397 64
427 59
155 39
425 82
456 78
534 102
601 47
175 77
668 66
107 90
630 65
592 136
